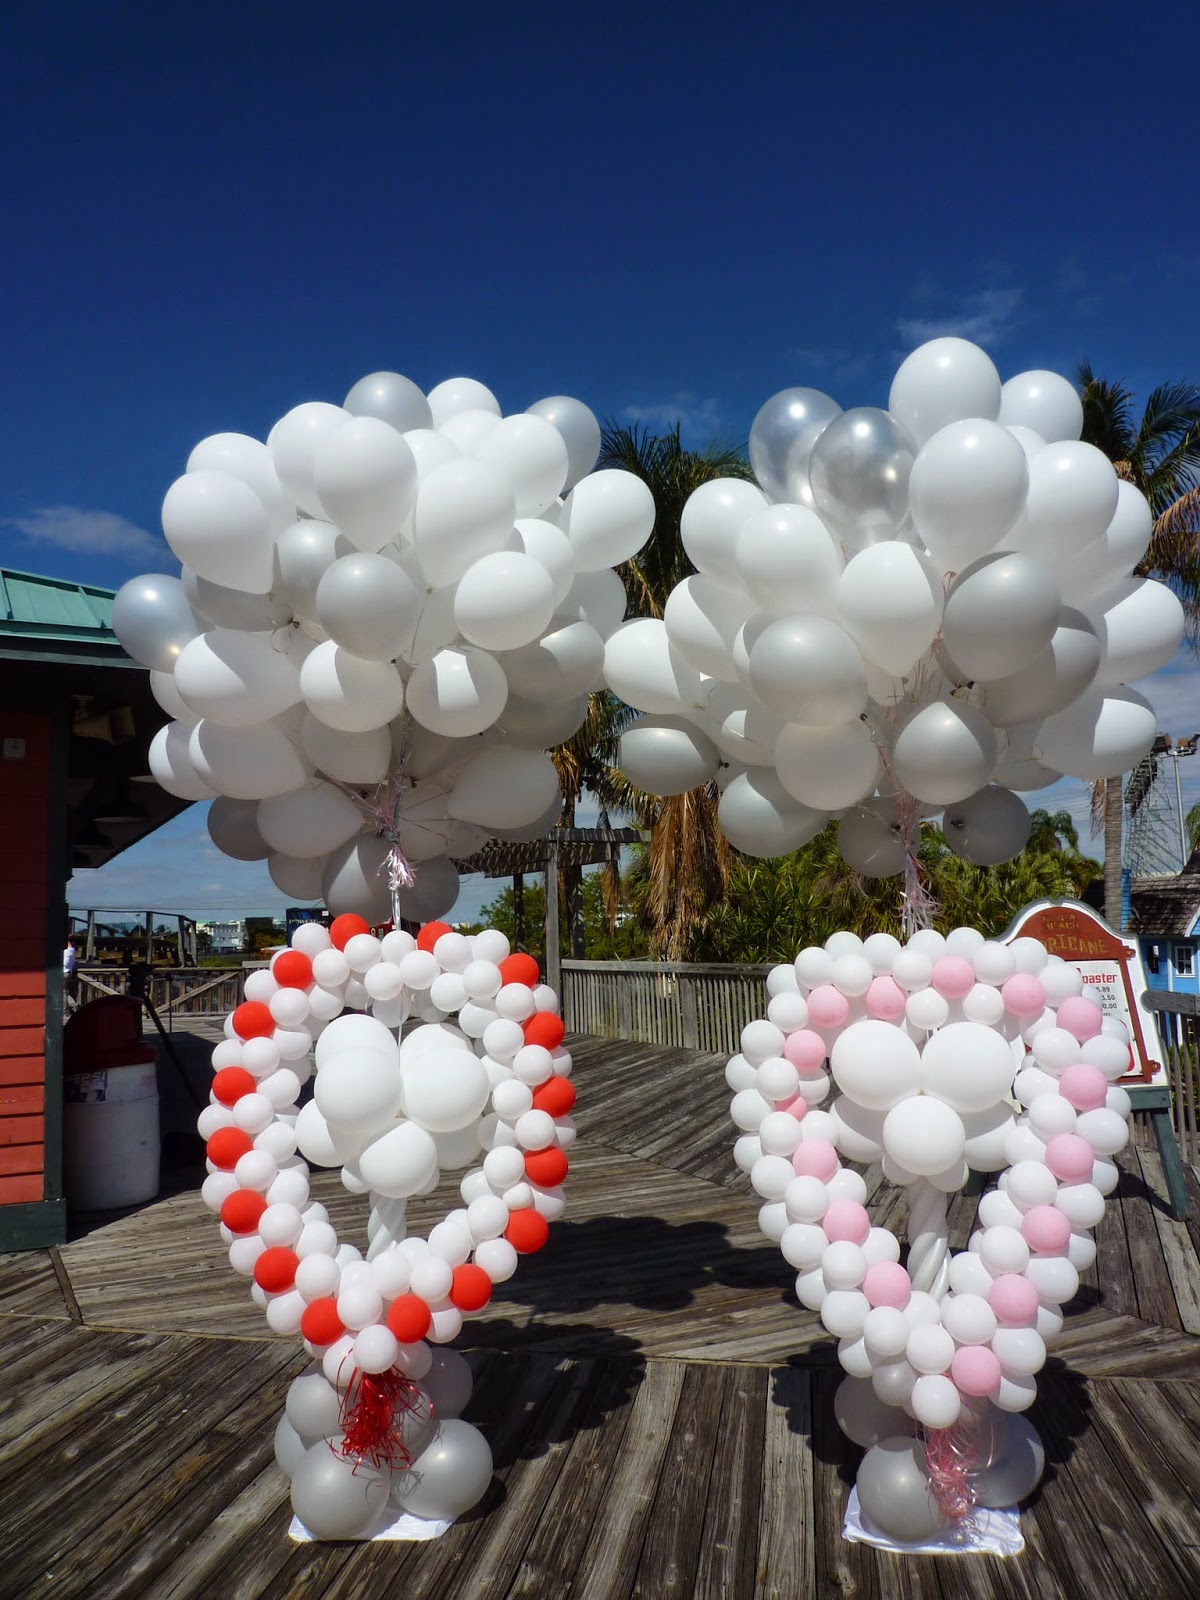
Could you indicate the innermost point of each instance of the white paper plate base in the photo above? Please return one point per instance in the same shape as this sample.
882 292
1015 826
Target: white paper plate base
400 1525
995 1533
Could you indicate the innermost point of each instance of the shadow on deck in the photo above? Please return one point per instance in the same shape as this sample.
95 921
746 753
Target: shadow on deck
659 1406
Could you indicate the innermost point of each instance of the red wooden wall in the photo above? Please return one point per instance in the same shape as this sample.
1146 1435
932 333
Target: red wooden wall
26 804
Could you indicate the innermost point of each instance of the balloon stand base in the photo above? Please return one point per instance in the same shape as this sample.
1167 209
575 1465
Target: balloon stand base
992 1533
394 1525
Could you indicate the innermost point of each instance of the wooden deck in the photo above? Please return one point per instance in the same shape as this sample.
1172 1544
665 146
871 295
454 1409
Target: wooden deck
659 1407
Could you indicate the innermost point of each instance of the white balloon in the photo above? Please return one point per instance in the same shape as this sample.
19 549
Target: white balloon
464 510
549 546
505 600
876 1065
218 526
352 757
304 552
945 752
597 598
889 600
365 478
1071 501
1140 629
788 561
1000 611
310 821
348 692
235 678
667 755
712 523
170 760
578 428
643 668
608 517
828 768
967 1065
702 617
1051 679
369 605
1043 402
532 455
401 1162
390 397
1104 733
810 669
454 395
504 787
564 663
967 488
246 763
759 817
944 381
460 691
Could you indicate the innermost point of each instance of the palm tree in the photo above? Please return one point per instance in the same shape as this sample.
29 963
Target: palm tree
1160 455
1191 829
687 861
586 761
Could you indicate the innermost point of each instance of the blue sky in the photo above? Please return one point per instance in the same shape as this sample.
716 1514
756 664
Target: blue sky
215 210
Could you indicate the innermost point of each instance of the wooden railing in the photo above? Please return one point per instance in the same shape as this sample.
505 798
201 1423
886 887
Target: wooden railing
694 1006
702 1007
183 993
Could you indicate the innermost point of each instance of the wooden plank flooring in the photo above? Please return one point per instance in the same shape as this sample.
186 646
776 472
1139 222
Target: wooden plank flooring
660 1408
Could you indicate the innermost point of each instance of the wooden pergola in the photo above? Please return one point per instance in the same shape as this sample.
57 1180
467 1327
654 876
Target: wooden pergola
562 848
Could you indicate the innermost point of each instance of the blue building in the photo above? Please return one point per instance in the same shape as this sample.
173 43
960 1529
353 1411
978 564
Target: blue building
1166 919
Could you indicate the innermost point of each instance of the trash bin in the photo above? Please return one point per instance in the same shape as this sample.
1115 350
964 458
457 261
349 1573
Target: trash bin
111 1140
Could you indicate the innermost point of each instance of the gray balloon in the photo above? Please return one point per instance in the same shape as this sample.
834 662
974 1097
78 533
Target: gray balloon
434 892
988 827
894 1493
782 437
153 618
1020 1460
448 1383
335 1498
231 608
859 474
579 429
540 726
448 1477
313 1407
369 605
233 828
289 1447
392 398
531 830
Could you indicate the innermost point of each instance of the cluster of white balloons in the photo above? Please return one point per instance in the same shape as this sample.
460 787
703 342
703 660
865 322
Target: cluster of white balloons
387 613
919 610
488 1092
944 1055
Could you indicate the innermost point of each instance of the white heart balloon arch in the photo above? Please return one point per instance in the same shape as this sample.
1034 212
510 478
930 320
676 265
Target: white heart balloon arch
938 1058
480 1086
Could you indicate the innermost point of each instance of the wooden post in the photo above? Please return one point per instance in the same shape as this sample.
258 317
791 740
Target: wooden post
553 958
519 910
687 1006
149 938
91 936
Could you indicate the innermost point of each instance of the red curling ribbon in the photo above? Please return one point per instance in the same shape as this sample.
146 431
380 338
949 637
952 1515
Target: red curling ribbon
373 1410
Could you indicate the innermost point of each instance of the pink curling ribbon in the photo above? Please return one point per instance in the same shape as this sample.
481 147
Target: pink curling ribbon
954 1457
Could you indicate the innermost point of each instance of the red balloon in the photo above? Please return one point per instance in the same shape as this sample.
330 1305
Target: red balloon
231 1083
471 1288
431 933
227 1147
527 1230
409 1318
544 1028
320 1323
292 969
546 1167
253 1020
520 968
242 1209
342 929
275 1269
556 1095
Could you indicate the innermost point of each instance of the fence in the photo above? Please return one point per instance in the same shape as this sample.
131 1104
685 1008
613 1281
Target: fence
701 1007
187 993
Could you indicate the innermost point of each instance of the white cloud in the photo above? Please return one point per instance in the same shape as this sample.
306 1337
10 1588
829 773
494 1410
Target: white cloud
101 533
987 317
700 420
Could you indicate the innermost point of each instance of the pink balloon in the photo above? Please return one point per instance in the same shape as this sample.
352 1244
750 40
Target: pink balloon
1083 1087
885 1000
953 977
976 1370
1070 1158
1014 1300
804 1048
796 1107
827 1007
815 1158
1045 1230
1080 1016
1024 995
887 1284
846 1219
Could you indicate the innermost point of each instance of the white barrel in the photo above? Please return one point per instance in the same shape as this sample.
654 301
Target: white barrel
110 1137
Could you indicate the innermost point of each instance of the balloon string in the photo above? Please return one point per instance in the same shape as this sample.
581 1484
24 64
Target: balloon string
919 907
952 1460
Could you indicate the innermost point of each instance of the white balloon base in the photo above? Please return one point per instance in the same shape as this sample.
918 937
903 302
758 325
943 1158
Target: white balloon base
395 1525
992 1533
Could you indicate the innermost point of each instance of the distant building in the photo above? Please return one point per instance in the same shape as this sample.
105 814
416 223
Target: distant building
223 936
1166 919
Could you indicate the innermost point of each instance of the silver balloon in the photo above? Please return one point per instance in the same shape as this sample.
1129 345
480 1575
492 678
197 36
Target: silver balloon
289 1447
988 827
1017 1466
450 1476
433 894
538 726
579 429
392 398
335 1498
304 551
233 828
894 1493
355 879
313 1407
448 1383
153 618
369 605
231 608
531 830
782 437
859 474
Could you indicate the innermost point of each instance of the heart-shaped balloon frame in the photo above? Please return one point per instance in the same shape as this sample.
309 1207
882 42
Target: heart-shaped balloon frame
380 1314
939 1338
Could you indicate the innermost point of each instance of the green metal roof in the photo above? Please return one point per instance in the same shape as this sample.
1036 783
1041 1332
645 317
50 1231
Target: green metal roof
32 607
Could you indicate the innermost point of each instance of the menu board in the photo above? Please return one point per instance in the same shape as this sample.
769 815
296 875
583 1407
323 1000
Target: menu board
1112 971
